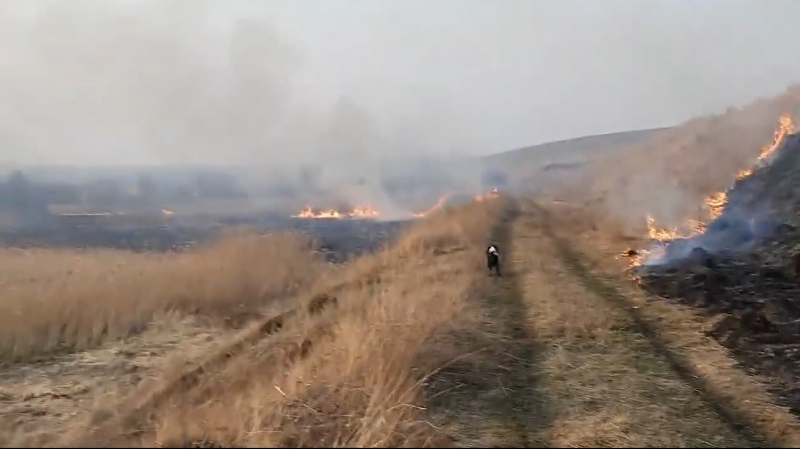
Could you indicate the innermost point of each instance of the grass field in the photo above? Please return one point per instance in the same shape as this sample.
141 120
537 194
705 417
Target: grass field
256 341
79 319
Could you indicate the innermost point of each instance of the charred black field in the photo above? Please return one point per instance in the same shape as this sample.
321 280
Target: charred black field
338 239
744 271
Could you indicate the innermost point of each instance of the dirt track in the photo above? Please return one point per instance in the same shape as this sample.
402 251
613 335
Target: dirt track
595 374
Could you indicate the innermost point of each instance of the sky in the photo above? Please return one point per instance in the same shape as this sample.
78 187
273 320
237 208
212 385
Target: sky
280 82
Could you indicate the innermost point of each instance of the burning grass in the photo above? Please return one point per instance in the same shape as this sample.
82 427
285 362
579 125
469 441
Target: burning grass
56 301
716 372
606 382
368 212
740 268
680 166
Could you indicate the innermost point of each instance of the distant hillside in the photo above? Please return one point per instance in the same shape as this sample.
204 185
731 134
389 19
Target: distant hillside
568 151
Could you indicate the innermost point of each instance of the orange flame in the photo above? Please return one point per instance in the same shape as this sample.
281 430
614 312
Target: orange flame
716 202
368 212
785 127
356 213
660 234
439 204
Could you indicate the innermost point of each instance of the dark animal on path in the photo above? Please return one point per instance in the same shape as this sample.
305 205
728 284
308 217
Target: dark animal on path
493 259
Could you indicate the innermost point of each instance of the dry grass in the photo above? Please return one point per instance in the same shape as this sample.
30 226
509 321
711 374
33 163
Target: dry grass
669 174
353 375
682 330
608 386
56 301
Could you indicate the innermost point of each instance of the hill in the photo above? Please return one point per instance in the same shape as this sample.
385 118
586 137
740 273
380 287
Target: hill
569 150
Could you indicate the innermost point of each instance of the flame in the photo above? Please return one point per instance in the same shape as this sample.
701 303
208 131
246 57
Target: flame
660 234
368 212
491 194
785 127
364 212
356 213
439 204
715 203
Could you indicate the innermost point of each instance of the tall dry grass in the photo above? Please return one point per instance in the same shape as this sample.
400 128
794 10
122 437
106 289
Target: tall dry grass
671 173
354 375
64 300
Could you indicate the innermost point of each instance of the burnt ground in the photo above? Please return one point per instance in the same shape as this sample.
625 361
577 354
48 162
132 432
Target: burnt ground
744 271
339 240
754 300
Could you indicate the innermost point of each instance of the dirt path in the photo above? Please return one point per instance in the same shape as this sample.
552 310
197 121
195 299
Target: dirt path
679 332
596 378
496 399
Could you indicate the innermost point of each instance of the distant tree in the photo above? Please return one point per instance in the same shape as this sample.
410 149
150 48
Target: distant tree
17 182
105 194
146 187
19 191
26 200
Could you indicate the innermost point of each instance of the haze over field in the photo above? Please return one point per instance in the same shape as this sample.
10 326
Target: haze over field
264 223
240 82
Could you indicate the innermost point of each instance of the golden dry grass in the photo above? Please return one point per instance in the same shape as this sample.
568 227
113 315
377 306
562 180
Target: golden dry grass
596 238
420 349
354 374
357 378
56 301
670 174
607 385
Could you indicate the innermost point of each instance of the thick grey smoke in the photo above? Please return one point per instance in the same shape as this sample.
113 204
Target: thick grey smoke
351 91
140 82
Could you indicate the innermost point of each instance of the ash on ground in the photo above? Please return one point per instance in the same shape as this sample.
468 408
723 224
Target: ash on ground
338 240
746 266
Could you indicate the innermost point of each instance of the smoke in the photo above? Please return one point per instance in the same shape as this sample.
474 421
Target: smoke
140 82
356 93
756 207
652 193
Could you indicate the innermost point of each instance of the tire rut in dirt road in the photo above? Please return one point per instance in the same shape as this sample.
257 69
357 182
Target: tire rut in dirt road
610 386
498 401
611 293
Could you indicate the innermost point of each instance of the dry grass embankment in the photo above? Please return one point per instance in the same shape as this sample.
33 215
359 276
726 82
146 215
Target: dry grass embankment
59 301
671 173
352 375
680 329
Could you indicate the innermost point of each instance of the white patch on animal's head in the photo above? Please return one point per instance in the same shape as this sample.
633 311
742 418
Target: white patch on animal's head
492 249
